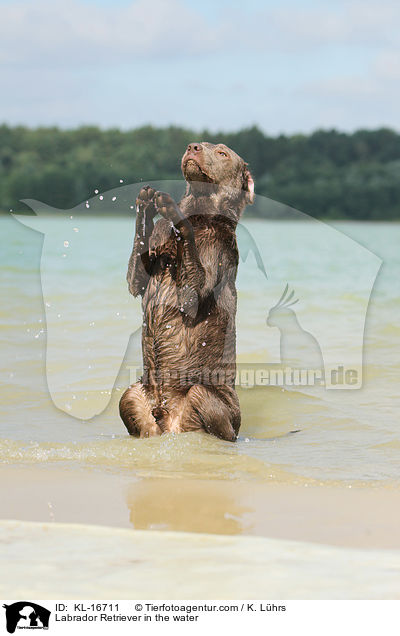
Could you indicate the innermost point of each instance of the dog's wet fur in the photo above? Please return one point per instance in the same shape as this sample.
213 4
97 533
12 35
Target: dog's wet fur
184 266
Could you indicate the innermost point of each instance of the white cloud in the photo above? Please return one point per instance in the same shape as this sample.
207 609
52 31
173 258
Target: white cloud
387 65
68 34
352 23
53 33
294 66
358 101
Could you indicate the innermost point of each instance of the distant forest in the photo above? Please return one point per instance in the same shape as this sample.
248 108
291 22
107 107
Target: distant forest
327 174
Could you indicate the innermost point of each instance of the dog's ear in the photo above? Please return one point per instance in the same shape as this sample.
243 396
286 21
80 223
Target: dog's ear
248 184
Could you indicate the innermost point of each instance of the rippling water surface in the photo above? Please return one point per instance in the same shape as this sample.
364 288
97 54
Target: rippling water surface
61 407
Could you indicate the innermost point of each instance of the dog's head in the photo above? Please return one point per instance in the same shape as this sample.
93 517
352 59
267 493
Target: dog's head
218 169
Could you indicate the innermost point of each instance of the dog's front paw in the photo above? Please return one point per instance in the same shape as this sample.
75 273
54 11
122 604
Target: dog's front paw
145 201
166 206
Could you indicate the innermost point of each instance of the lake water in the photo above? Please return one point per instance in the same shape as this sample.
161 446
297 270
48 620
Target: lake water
80 307
70 343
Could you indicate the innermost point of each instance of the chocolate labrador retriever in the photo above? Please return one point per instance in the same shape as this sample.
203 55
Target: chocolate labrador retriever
184 266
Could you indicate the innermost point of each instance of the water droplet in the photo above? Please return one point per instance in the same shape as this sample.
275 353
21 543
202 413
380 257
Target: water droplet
96 192
203 344
168 327
87 204
121 180
114 199
101 197
76 229
66 243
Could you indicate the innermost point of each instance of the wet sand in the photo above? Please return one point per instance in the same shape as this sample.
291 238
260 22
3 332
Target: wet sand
65 561
317 512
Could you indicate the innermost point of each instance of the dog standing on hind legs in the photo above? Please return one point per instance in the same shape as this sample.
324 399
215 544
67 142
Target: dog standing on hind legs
184 266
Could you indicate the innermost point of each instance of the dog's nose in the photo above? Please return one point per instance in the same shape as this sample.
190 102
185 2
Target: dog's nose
194 147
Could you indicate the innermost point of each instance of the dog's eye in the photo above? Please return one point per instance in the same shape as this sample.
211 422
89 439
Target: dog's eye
221 152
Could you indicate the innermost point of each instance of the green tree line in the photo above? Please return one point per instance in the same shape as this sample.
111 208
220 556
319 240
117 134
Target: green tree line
326 174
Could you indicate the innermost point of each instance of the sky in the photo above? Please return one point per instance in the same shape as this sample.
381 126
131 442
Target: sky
288 67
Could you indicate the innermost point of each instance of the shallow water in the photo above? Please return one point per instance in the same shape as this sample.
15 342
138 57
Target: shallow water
60 406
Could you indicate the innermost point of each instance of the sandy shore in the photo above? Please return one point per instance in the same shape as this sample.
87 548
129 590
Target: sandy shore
348 517
64 561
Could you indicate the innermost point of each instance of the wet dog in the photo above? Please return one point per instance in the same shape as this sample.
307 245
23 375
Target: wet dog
184 266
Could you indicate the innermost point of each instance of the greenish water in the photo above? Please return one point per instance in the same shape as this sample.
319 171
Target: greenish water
66 324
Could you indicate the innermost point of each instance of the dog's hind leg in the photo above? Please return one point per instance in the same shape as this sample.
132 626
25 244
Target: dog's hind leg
214 409
135 409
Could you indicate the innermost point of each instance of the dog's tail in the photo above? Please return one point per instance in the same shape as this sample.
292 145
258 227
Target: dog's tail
163 418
